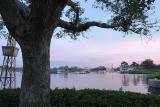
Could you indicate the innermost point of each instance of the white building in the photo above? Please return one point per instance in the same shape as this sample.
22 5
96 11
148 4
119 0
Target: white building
124 67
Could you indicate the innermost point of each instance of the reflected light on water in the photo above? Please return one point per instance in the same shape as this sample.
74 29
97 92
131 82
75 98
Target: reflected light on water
107 80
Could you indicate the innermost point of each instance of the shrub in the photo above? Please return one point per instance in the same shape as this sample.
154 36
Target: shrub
86 98
9 98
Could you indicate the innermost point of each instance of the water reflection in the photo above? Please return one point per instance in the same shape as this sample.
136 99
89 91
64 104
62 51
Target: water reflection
107 80
125 80
101 80
136 79
66 75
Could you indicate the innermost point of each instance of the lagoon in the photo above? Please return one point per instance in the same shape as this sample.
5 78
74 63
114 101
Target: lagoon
94 80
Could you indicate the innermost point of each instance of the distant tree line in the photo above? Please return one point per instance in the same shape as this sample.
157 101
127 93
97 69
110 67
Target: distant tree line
146 64
100 68
65 69
75 69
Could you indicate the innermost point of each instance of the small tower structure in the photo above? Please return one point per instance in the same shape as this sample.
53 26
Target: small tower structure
7 72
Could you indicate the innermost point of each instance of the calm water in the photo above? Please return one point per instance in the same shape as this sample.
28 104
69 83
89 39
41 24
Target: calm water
108 80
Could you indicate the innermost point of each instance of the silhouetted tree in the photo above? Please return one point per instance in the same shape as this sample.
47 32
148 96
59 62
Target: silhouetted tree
100 68
134 64
33 23
124 63
148 64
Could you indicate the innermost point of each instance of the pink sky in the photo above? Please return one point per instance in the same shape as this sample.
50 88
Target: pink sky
101 48
105 49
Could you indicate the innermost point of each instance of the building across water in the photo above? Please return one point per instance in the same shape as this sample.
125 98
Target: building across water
125 68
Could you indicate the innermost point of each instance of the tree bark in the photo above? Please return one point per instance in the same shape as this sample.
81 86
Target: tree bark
35 87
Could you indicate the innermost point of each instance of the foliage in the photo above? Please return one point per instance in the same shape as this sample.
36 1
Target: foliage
134 64
3 31
73 69
140 71
100 68
9 98
131 16
124 63
38 19
148 64
66 69
86 98
154 75
1 23
102 98
131 13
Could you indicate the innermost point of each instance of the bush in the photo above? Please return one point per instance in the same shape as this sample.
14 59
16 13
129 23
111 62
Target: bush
87 98
154 75
9 98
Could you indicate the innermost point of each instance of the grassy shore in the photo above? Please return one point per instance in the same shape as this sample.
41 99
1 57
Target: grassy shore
154 75
139 72
151 73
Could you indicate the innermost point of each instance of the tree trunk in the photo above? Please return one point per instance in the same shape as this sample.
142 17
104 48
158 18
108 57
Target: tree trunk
35 87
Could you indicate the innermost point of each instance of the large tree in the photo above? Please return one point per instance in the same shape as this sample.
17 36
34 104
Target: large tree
33 22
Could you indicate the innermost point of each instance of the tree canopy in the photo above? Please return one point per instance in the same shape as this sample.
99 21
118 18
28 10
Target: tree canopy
124 63
148 64
130 16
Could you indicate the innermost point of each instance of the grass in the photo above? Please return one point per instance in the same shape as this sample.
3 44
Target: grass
140 72
151 73
143 71
154 75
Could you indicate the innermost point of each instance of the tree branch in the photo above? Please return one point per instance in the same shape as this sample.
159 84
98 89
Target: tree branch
73 5
14 14
11 9
78 27
84 26
76 8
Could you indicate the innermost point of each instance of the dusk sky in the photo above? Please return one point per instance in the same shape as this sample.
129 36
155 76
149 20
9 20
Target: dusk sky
101 46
